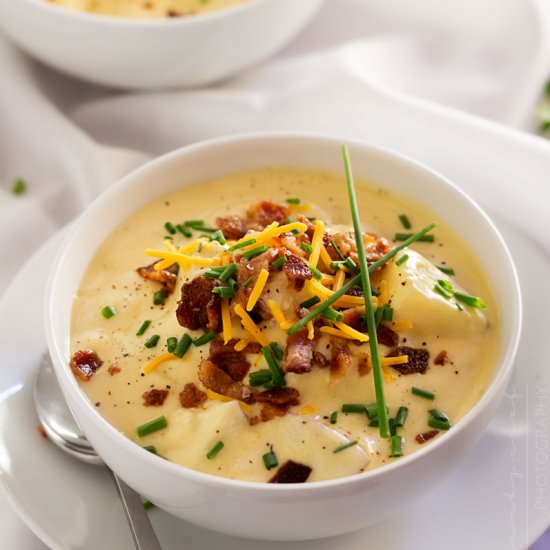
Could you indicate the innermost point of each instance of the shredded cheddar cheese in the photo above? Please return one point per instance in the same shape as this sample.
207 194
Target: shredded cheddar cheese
189 248
317 289
271 231
257 290
338 281
399 326
325 257
317 242
157 361
183 259
278 315
342 334
307 410
241 344
227 328
384 293
398 360
352 333
310 330
219 397
249 325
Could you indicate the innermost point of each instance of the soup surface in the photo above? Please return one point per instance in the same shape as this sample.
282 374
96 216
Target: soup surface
175 360
147 9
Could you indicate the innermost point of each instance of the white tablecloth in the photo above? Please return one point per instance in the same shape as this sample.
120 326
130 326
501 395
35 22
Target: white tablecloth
70 140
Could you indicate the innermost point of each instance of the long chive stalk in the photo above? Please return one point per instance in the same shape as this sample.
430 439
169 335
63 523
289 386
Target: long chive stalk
383 422
357 280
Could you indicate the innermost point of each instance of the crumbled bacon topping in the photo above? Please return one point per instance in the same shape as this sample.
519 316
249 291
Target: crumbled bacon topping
191 396
418 359
226 358
291 472
217 380
426 436
341 358
320 359
442 358
154 397
375 246
166 277
113 369
198 307
232 227
265 212
84 364
297 271
386 336
298 353
363 364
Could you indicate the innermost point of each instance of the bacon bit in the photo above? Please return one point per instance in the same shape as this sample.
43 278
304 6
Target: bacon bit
363 364
374 249
40 429
352 318
166 277
426 436
191 396
442 358
154 397
279 396
341 358
386 336
320 360
310 226
418 359
198 307
232 227
220 382
113 369
230 361
291 472
265 212
297 271
269 412
174 13
298 353
84 364
253 347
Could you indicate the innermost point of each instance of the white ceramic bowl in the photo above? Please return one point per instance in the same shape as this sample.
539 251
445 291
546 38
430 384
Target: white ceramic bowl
145 54
284 512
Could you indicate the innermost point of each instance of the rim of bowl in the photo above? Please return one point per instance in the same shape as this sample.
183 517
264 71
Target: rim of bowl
136 22
504 366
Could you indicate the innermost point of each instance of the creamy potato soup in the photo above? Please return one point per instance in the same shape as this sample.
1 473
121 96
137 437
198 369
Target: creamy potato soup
147 9
184 330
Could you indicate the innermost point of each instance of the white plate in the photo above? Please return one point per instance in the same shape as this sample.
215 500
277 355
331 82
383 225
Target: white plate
499 498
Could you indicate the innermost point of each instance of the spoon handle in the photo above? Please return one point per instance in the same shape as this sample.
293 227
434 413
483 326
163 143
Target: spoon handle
140 525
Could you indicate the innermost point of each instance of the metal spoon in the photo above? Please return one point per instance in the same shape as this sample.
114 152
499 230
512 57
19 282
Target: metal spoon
63 431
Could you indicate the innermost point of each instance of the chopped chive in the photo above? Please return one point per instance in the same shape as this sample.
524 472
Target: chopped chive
337 264
295 232
332 315
159 298
405 222
371 410
204 339
387 313
214 272
350 264
260 377
195 224
19 187
147 504
473 301
249 254
224 291
306 247
293 200
277 350
443 291
396 446
152 426
423 393
405 236
345 446
374 423
401 416
218 236
354 408
229 270
279 262
242 244
153 341
151 449
310 302
184 230
214 450
333 418
446 270
270 460
183 345
246 282
171 344
378 315
439 415
393 427
356 280
438 424
144 326
401 260
108 312
168 238
278 374
170 228
316 273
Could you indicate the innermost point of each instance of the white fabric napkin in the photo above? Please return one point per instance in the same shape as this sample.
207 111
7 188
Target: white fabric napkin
70 140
